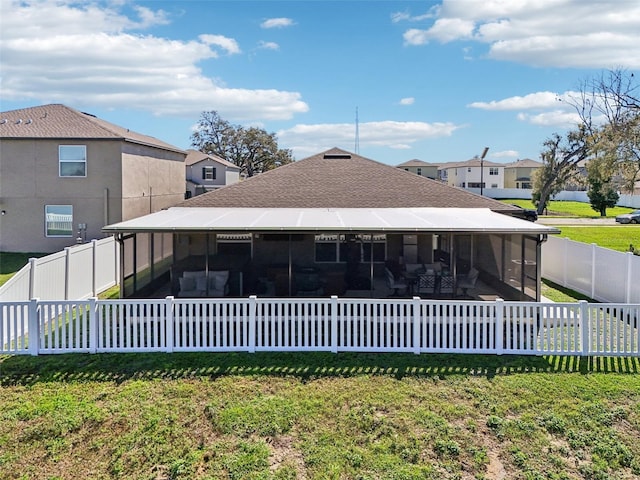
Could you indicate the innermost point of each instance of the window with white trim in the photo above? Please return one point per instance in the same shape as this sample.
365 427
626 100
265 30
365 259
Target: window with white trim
493 171
72 160
58 220
419 171
208 173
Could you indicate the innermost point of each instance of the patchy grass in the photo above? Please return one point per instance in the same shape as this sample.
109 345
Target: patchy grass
569 209
559 294
318 416
10 263
616 237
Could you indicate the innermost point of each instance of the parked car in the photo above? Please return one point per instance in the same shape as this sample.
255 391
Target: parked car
526 214
633 217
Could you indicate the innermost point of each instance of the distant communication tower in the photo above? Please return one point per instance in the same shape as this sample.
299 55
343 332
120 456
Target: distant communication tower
357 145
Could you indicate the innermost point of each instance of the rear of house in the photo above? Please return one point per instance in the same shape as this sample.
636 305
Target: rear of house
64 174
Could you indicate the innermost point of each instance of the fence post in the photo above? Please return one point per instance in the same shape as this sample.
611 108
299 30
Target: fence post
67 271
253 306
417 319
32 277
565 258
34 328
168 318
334 324
93 325
594 250
94 266
499 305
627 294
585 326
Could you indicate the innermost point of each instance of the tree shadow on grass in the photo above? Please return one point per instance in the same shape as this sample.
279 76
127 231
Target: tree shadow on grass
25 370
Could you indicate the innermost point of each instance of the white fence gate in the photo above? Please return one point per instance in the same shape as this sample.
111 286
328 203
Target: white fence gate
77 272
332 324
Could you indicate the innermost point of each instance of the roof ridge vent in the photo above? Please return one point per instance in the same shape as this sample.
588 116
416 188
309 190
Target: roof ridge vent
337 156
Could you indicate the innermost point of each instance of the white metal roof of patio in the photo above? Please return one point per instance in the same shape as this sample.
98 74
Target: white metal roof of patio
202 219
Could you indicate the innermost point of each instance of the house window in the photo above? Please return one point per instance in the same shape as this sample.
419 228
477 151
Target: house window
468 169
493 171
208 173
494 185
419 171
476 185
72 160
58 220
337 248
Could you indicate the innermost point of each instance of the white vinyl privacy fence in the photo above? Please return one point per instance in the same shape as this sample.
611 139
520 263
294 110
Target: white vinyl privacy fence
332 325
77 272
600 273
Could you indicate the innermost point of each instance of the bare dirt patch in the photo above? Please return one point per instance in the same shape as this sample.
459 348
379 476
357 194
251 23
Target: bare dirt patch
284 453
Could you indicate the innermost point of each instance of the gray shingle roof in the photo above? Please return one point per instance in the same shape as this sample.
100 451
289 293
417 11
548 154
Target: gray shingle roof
60 121
416 163
524 163
350 181
194 156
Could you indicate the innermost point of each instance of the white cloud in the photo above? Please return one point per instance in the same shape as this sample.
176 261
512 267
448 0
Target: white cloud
268 45
228 44
85 55
277 23
535 100
505 154
305 139
407 101
407 17
558 33
547 108
554 118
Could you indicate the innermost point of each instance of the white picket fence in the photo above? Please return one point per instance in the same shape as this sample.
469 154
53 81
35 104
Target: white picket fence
313 325
77 272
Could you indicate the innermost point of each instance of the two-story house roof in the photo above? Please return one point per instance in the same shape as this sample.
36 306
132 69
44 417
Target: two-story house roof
518 174
474 173
64 174
419 167
206 172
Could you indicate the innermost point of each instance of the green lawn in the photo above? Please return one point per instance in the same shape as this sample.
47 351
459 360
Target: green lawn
318 416
569 209
616 237
10 263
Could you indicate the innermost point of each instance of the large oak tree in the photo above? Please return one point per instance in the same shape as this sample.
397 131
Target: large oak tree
252 149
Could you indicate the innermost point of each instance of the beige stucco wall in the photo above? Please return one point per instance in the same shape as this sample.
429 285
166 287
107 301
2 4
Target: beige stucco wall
29 180
511 174
120 177
152 179
428 171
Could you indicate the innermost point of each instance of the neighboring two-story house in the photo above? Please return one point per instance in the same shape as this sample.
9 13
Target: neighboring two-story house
474 173
64 174
424 169
519 174
207 172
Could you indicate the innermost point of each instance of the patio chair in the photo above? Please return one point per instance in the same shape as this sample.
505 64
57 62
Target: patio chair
468 281
426 282
447 284
393 283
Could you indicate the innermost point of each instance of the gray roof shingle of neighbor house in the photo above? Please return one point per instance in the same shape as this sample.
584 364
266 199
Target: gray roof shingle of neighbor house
194 156
340 179
524 163
60 121
417 163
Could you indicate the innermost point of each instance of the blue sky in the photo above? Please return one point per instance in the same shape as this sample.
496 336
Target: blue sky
433 80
